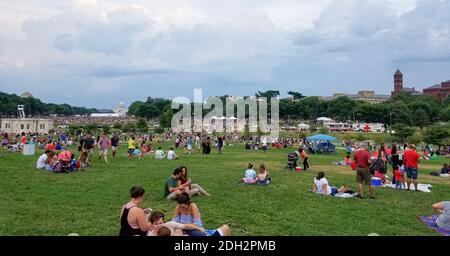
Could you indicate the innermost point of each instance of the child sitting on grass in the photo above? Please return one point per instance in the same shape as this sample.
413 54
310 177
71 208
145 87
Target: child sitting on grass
263 175
250 175
346 162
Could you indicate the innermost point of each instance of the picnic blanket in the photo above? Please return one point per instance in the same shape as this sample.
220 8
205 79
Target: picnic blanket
346 195
339 195
430 221
421 187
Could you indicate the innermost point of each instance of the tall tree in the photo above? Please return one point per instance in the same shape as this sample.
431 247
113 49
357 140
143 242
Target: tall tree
267 94
296 95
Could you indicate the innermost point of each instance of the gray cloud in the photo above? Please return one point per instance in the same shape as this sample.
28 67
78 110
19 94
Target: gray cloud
341 45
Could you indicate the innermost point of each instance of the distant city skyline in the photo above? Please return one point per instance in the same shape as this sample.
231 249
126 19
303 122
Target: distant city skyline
96 53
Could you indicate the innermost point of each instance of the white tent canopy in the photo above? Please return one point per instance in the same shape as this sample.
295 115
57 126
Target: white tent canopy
232 118
324 119
302 125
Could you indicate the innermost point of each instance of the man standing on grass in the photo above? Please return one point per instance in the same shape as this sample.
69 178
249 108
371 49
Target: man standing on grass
103 144
88 146
114 144
219 145
411 159
363 159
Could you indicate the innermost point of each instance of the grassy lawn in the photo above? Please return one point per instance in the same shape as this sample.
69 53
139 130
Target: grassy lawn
34 202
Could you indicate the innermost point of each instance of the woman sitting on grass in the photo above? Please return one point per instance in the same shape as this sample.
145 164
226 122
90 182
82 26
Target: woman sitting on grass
263 175
188 213
321 186
183 180
133 221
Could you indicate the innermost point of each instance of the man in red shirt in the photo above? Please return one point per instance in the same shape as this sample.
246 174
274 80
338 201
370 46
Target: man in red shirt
411 159
363 160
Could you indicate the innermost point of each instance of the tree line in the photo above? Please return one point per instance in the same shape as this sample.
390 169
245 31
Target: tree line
403 109
35 107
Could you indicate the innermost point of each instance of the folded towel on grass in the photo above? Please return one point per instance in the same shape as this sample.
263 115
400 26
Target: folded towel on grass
421 187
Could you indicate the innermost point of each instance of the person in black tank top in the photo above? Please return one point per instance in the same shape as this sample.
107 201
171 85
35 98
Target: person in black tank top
137 196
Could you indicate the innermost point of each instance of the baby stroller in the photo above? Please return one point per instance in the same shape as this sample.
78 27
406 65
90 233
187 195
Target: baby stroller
292 161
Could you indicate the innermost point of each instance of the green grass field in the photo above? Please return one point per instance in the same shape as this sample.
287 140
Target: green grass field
35 202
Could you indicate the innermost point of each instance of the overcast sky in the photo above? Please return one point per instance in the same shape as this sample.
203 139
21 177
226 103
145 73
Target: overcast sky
97 52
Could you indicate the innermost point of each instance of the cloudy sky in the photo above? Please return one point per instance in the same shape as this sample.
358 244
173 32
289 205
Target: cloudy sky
97 52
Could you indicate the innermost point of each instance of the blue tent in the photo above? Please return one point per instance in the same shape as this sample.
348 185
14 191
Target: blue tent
321 137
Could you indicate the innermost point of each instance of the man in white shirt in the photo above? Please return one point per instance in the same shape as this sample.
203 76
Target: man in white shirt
42 160
159 154
171 155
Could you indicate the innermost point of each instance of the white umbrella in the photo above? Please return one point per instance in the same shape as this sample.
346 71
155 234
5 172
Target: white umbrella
214 117
232 118
222 118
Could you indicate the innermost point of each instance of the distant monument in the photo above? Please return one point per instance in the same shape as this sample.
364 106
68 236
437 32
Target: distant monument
26 95
121 109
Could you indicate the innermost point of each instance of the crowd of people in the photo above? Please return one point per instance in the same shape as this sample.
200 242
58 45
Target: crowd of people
368 159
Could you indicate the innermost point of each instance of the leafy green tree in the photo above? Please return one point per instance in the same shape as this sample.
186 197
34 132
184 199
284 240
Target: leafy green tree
267 94
445 114
341 108
421 118
129 127
296 95
436 135
165 120
402 132
142 125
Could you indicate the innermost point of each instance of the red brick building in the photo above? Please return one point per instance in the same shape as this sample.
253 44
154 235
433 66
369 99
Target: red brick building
441 91
398 85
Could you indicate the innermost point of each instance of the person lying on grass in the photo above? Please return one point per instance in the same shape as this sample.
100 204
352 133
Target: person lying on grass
172 190
183 180
133 221
175 229
443 220
321 186
187 212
